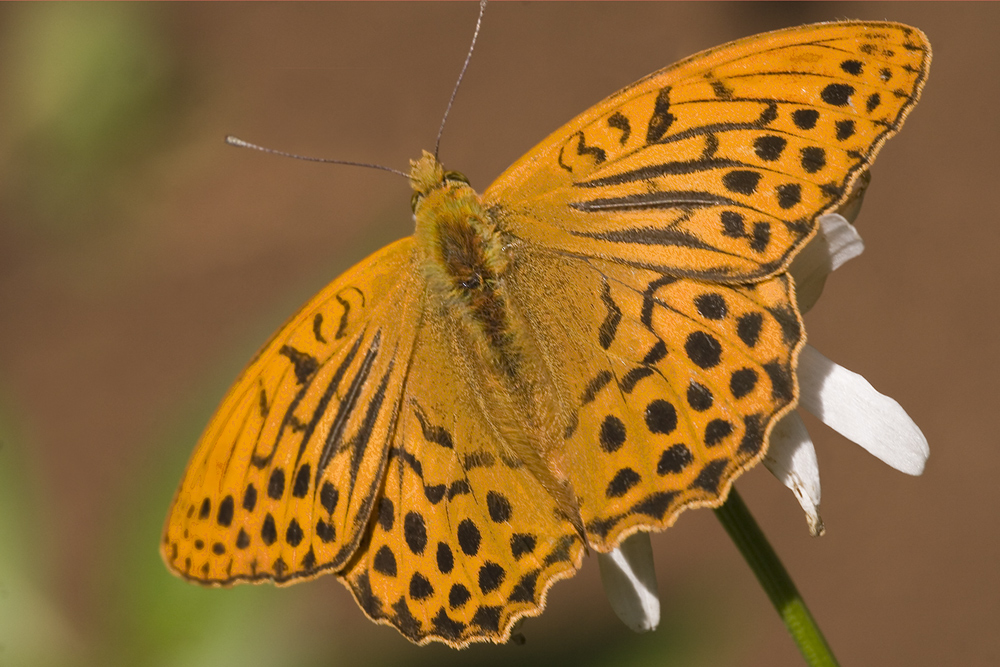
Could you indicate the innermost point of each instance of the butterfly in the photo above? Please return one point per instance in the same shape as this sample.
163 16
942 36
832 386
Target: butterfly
601 340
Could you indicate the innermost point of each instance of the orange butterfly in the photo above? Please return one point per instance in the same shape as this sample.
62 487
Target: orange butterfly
601 340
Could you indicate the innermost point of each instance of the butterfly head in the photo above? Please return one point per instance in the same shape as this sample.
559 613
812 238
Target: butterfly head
427 174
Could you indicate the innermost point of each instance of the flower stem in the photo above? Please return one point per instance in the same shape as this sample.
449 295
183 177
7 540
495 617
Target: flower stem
773 576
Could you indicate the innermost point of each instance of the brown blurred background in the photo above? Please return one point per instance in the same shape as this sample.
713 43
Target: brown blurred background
142 262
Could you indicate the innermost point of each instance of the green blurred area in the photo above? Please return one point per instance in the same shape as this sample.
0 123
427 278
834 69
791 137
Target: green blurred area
88 91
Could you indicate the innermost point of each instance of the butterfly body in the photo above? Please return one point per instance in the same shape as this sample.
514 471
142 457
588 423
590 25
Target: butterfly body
465 258
602 339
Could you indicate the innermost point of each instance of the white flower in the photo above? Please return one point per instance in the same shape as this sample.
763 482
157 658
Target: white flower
841 399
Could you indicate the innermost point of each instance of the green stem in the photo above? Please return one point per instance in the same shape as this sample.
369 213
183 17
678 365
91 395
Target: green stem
773 576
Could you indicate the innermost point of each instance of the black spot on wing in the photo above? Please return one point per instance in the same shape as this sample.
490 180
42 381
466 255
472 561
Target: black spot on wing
872 102
250 498
491 575
328 497
305 364
596 152
458 595
420 587
276 484
661 119
753 435
595 385
405 621
710 476
522 544
326 531
813 159
384 561
498 506
318 328
436 434
469 537
524 591
837 94
748 328
367 599
447 627
620 122
655 505
703 349
789 195
852 66
445 558
805 119
459 487
435 493
791 328
487 617
782 384
415 532
269 531
609 327
769 147
294 534
674 460
225 513
478 459
612 434
622 482
648 299
741 181
301 486
845 129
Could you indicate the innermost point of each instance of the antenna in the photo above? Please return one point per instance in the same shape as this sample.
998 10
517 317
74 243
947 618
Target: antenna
236 141
468 57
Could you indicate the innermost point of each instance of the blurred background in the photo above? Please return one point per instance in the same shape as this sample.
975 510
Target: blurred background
142 262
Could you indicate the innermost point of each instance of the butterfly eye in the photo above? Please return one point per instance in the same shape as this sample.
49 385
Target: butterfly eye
414 198
456 176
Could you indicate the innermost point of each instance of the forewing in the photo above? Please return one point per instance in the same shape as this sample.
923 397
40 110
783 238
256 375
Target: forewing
718 166
284 478
465 541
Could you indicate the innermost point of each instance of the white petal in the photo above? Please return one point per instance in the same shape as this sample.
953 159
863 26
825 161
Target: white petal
835 243
630 582
791 457
842 237
847 403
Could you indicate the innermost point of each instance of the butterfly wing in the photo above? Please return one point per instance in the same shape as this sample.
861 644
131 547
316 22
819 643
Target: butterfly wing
676 382
646 242
283 481
649 237
465 540
718 166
